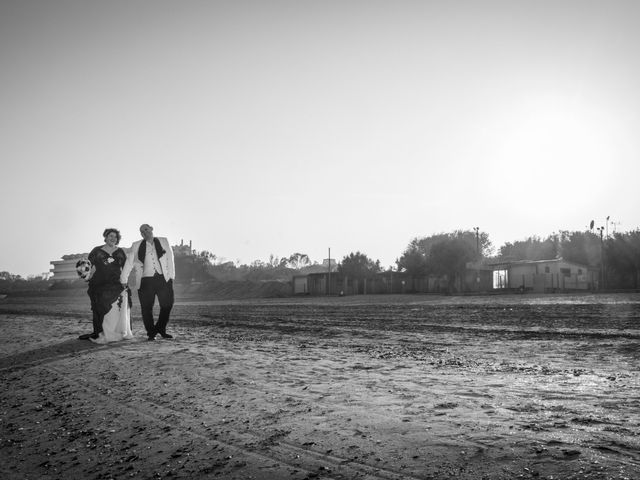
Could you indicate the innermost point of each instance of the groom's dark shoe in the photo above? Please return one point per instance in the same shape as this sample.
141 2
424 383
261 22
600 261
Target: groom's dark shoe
151 335
165 335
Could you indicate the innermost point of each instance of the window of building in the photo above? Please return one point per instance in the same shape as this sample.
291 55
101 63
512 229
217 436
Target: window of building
566 272
547 270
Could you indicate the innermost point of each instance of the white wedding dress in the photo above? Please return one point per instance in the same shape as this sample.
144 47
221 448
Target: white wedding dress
116 325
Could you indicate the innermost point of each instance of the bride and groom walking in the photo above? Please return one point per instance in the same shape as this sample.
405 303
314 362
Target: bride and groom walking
151 259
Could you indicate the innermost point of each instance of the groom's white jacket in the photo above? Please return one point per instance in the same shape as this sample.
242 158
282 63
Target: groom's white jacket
134 263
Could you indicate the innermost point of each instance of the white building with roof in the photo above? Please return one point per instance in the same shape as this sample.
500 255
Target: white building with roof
544 275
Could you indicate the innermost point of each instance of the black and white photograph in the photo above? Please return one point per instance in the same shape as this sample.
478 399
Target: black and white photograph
331 240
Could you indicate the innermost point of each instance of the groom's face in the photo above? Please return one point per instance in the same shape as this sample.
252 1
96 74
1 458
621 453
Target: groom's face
147 232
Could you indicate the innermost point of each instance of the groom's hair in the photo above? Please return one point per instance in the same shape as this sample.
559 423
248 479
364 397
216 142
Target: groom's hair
114 230
145 225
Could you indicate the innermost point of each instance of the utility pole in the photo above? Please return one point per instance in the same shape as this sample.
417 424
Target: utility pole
329 276
477 229
602 274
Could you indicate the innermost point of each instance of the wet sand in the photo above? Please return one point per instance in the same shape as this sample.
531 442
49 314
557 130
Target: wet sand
379 387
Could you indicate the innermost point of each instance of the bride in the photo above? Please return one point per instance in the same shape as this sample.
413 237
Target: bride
110 303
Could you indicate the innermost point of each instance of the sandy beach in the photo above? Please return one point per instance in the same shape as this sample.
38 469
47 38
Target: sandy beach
369 387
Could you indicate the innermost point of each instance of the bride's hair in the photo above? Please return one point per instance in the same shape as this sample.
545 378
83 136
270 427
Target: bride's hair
114 230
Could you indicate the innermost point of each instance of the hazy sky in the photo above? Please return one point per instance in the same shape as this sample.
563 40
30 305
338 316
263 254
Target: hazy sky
273 127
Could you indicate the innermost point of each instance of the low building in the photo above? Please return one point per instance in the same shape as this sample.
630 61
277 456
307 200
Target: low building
544 276
323 283
314 278
541 276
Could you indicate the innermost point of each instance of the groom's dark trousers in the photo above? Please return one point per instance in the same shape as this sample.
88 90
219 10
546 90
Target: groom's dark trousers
150 288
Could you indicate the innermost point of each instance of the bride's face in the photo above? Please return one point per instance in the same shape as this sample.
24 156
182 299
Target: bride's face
111 239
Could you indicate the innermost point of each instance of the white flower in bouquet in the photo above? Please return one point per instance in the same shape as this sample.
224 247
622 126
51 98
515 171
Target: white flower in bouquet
83 269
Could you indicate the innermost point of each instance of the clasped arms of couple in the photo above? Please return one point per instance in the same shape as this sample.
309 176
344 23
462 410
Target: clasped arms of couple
151 259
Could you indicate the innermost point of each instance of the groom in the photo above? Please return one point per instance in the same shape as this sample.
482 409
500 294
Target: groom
152 260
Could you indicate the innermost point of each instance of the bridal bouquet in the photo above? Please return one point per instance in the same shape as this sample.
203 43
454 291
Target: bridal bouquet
83 269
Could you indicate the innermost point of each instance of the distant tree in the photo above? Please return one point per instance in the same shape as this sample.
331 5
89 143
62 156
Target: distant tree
450 257
193 267
416 259
273 269
296 261
274 262
413 261
226 271
580 247
9 276
533 248
258 264
622 260
10 282
358 265
208 257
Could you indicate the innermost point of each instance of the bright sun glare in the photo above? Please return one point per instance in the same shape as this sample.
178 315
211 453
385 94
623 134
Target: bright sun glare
550 136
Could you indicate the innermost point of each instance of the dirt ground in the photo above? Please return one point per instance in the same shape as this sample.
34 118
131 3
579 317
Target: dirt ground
370 387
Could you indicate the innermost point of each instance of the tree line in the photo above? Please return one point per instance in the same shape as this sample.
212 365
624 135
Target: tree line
617 256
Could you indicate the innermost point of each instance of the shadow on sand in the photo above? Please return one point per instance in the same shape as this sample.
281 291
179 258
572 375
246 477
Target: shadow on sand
48 354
